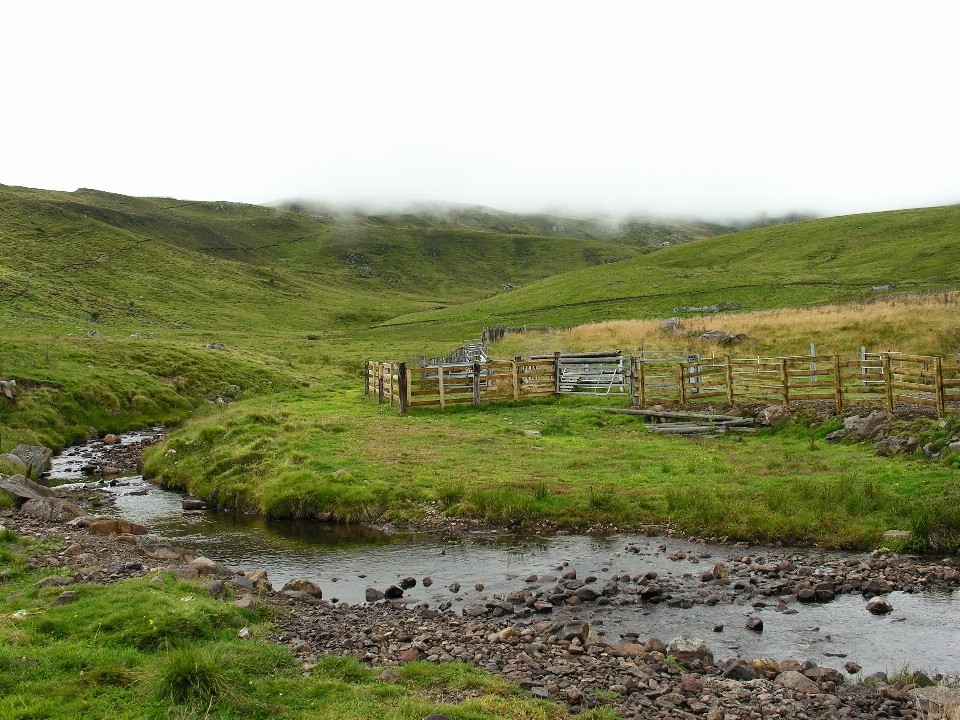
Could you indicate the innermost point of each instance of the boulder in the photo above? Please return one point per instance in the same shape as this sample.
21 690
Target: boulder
15 461
671 324
65 598
655 645
822 674
191 502
508 633
206 566
115 526
876 586
51 509
373 595
766 667
587 593
304 586
8 388
22 488
687 647
774 414
408 582
798 682
36 458
838 435
851 667
245 603
879 606
873 423
217 589
260 580
571 630
54 581
720 571
393 593
474 610
740 670
754 623
937 701
110 439
717 336
158 550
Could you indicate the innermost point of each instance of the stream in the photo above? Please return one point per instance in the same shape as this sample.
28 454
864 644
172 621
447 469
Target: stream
923 631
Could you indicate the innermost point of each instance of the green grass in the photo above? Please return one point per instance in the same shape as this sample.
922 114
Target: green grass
311 451
145 649
829 260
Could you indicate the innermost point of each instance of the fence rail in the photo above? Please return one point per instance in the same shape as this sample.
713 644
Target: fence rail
875 379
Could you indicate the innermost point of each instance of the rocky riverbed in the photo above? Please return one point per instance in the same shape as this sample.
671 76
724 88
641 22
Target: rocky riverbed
539 635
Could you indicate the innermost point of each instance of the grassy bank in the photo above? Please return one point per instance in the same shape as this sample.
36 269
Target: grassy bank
165 649
332 450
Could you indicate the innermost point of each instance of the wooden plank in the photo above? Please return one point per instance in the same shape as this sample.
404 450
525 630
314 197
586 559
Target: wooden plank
680 385
910 358
916 387
916 374
951 382
811 396
784 383
930 402
705 395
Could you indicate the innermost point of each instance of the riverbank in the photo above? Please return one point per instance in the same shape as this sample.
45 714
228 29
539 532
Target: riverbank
543 637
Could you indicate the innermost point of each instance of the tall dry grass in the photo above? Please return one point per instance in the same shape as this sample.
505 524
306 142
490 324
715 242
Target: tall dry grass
926 324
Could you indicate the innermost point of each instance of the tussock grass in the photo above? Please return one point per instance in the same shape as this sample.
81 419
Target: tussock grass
923 323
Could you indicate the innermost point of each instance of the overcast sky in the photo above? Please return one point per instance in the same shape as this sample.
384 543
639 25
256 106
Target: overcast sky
713 109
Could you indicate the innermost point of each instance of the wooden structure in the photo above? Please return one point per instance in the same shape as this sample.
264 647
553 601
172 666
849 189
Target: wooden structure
879 379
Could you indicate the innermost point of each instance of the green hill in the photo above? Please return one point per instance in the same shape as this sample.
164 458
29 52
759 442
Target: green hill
827 260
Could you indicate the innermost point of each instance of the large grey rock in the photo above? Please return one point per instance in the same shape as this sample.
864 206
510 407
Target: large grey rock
304 586
875 420
8 388
51 509
159 550
116 526
688 647
206 566
774 414
796 681
15 461
879 606
372 594
936 702
671 324
37 458
578 629
22 488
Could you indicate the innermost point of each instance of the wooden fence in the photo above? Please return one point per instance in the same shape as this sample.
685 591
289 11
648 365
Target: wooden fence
880 379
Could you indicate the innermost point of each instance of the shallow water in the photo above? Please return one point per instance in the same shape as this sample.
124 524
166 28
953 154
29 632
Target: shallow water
922 631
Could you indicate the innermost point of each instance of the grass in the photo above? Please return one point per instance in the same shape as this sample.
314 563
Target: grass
146 649
888 323
303 453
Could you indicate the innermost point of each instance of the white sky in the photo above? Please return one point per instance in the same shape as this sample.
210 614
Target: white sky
699 108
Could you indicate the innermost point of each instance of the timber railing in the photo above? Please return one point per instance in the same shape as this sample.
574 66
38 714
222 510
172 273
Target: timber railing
874 379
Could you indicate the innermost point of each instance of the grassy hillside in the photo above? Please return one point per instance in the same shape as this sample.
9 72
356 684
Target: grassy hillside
829 260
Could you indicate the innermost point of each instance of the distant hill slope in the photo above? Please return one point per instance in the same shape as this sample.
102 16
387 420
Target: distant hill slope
826 260
92 254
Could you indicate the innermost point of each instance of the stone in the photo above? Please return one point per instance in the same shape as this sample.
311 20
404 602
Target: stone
243 633
774 414
822 674
852 667
35 457
51 509
8 388
687 647
754 623
690 684
427 581
876 586
215 346
740 670
54 581
373 595
838 435
766 667
720 571
115 526
159 550
217 589
13 460
671 324
74 550
586 593
187 574
507 633
873 423
788 665
304 586
260 580
454 587
388 676
539 692
408 582
65 598
110 439
206 566
245 603
655 645
408 655
570 630
627 649
474 610
824 591
879 606
532 433
191 502
393 593
936 702
22 488
798 682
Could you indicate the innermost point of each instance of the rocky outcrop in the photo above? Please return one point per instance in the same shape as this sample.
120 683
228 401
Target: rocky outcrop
36 458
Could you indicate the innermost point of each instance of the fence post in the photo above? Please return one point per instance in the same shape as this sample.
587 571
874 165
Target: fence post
556 374
514 380
642 377
476 384
443 402
837 385
729 381
380 383
366 378
938 380
888 381
785 382
683 387
632 382
403 381
390 367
